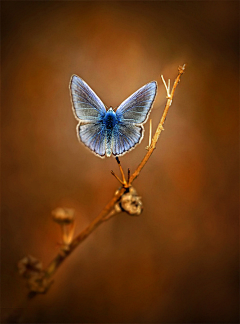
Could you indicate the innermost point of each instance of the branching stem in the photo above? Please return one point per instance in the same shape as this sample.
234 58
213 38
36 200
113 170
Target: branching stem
105 213
108 210
160 128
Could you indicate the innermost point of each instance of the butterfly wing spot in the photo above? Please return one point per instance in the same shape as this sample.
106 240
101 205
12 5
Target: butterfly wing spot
108 152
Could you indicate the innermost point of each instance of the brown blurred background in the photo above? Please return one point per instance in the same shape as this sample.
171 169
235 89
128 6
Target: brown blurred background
178 261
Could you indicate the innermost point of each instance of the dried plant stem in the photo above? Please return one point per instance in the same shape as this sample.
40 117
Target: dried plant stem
160 128
108 210
103 216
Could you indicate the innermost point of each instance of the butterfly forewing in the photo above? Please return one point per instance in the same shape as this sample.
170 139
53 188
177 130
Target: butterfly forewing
86 104
135 109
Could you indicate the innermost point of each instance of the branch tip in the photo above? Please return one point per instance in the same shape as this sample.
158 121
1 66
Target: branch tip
113 173
167 87
150 133
181 69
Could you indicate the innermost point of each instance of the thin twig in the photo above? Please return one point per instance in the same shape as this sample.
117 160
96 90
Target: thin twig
118 179
160 128
167 87
124 182
150 133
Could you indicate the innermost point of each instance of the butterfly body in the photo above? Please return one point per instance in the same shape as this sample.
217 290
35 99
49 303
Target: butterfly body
109 123
106 132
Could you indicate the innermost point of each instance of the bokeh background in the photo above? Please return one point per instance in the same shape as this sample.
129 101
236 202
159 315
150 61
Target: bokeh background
178 261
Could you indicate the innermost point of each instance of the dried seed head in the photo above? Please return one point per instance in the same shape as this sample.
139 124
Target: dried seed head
130 202
29 266
63 215
117 207
38 283
31 269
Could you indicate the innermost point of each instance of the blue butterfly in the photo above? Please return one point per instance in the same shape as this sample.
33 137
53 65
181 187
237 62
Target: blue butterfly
109 132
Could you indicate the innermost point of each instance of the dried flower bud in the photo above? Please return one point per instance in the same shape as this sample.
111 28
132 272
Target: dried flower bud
29 265
38 283
63 215
117 207
130 202
31 269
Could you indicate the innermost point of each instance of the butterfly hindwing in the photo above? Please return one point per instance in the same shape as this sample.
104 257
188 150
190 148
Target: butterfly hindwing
125 137
136 108
93 135
86 104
